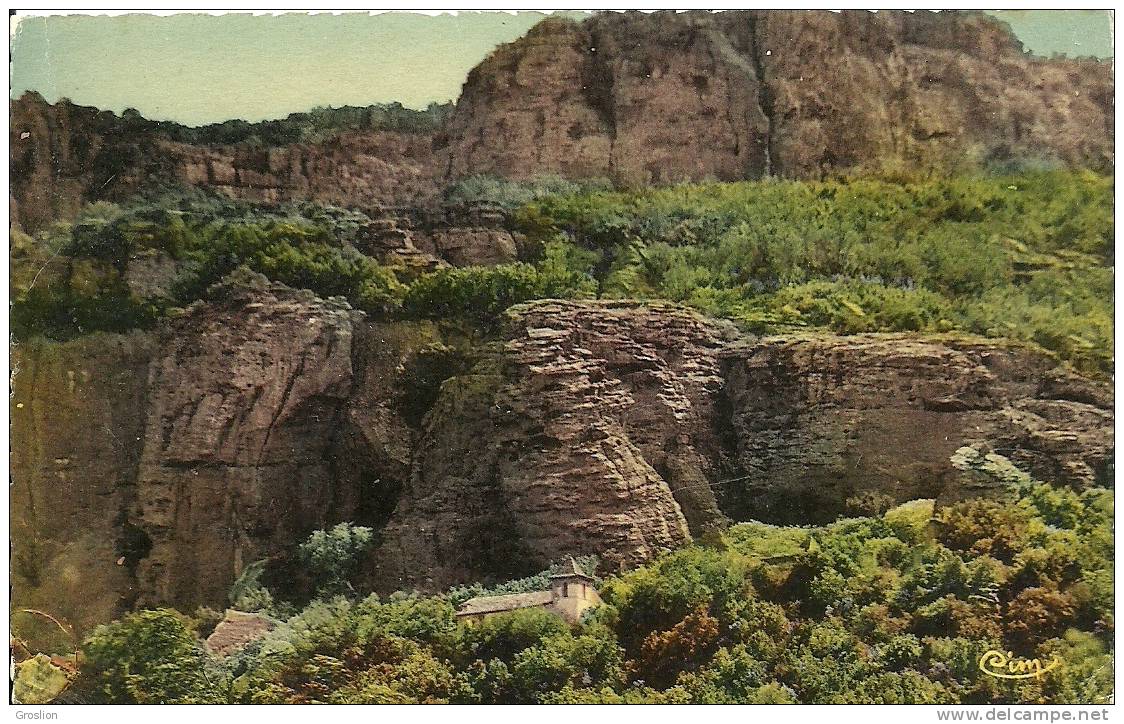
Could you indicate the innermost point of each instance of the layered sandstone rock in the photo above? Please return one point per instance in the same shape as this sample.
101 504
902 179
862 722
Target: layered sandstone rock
153 468
653 98
819 418
244 397
589 431
77 423
59 159
590 100
473 234
917 88
354 169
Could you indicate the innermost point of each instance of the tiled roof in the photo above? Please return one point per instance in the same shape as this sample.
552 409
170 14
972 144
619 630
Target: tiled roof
571 570
236 630
510 602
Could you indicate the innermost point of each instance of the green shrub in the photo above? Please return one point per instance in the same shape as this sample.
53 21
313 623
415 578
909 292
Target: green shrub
333 555
504 635
149 657
67 313
1026 256
480 295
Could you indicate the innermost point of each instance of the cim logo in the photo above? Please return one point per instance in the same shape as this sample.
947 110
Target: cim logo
1008 666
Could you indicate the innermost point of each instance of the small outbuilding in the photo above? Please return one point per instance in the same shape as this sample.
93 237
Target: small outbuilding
236 631
571 593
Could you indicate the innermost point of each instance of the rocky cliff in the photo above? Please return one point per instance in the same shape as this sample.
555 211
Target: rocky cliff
638 98
590 430
653 98
616 429
77 422
244 396
818 419
63 155
152 468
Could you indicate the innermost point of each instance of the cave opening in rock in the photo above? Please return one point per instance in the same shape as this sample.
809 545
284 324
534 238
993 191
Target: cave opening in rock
746 497
133 546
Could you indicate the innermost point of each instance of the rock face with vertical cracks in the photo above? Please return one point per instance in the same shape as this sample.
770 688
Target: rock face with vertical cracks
243 401
374 440
151 468
633 97
818 419
663 97
590 430
77 423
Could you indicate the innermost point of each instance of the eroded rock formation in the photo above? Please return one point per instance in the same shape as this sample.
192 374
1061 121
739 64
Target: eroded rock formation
617 429
354 169
637 98
591 430
244 397
652 98
818 419
151 468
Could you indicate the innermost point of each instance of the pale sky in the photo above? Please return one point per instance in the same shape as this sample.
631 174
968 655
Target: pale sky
195 68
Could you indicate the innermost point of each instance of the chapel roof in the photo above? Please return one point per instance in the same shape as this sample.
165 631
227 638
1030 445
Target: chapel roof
509 602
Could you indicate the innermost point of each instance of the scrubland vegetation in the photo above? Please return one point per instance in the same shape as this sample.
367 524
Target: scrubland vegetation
1027 256
897 608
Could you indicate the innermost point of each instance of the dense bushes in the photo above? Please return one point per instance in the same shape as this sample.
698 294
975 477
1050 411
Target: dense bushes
481 294
64 313
304 246
897 608
150 657
1027 257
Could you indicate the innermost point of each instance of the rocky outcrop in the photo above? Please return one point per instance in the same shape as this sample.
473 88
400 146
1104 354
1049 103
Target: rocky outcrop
589 431
243 400
472 234
59 158
617 429
918 88
654 98
77 424
590 100
390 239
152 469
818 419
63 155
354 169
